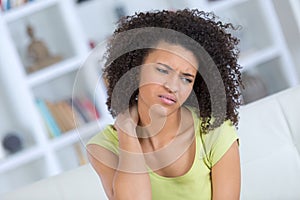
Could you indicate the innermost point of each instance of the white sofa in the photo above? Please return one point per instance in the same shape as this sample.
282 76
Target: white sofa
269 134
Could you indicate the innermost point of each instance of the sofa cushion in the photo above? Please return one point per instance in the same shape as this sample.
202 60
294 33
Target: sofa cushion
81 183
290 104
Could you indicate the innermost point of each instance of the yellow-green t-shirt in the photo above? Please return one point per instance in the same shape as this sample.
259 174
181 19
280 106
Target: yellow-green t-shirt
196 183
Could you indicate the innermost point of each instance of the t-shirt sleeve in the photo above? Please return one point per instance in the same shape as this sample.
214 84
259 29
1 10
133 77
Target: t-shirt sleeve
218 141
107 139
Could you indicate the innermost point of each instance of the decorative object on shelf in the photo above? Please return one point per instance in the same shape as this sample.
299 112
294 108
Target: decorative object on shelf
81 1
12 142
254 89
2 152
38 53
120 11
92 44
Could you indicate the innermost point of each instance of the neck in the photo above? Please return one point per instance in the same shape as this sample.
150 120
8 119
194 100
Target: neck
156 128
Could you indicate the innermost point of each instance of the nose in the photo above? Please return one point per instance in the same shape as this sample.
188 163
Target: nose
171 84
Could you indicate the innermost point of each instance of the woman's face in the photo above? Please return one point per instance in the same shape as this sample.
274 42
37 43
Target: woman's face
167 77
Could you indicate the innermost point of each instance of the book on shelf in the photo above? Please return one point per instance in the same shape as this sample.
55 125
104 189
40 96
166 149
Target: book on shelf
65 115
80 110
5 5
48 118
11 4
86 108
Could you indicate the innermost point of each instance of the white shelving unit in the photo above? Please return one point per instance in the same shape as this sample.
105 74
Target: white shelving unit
270 45
289 19
55 23
295 6
56 70
265 53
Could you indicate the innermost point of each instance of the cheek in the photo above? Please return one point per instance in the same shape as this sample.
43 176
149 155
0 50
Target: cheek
147 89
150 79
185 92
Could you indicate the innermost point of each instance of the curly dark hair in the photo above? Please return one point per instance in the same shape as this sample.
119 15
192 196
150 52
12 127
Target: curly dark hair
200 27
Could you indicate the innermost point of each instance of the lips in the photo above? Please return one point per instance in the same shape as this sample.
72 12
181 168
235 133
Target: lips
168 99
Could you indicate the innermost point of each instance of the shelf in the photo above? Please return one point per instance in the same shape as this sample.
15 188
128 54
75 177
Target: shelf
213 6
27 9
295 4
289 17
20 158
72 156
250 25
54 71
73 136
252 59
68 138
223 5
264 79
272 74
51 33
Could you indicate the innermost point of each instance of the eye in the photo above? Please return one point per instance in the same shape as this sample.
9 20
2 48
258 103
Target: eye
164 71
186 80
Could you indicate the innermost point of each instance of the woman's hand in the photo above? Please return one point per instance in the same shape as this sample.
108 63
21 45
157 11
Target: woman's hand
126 122
131 157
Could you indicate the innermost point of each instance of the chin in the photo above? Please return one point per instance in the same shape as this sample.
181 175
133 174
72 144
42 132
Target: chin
159 110
165 111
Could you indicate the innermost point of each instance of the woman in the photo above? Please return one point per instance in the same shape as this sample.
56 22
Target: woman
173 86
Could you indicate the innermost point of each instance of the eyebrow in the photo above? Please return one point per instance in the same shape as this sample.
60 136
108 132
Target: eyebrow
170 68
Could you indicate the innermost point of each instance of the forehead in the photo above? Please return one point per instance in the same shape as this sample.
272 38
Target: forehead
173 55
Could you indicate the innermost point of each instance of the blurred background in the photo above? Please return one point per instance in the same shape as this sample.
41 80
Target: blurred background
43 86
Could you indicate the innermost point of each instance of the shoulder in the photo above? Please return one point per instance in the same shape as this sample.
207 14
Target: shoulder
217 141
107 138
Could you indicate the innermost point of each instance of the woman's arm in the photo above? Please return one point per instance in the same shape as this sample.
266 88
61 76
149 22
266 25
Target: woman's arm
105 164
129 178
226 175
